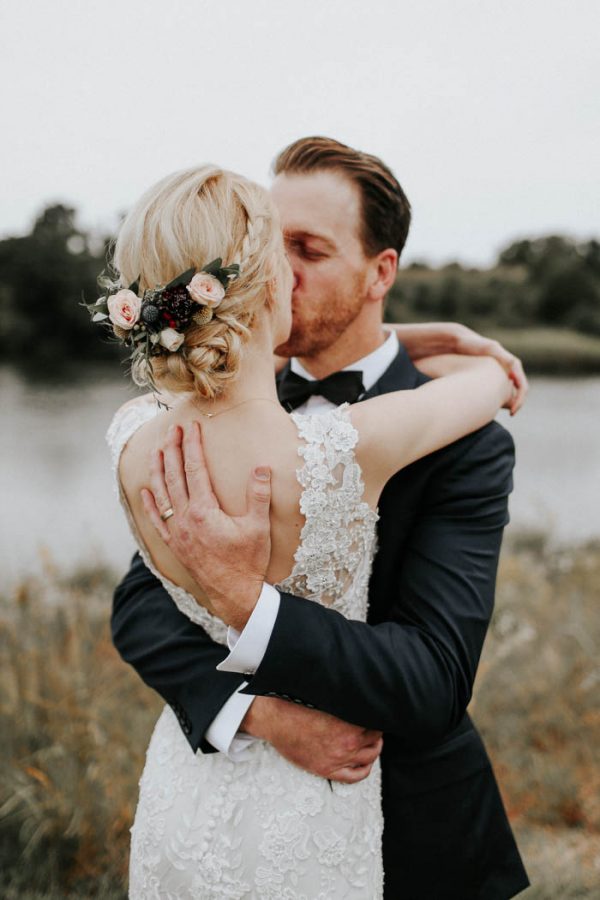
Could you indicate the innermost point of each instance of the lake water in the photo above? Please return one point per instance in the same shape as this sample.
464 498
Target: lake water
59 504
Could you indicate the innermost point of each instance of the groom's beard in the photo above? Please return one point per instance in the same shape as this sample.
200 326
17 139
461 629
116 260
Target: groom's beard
316 326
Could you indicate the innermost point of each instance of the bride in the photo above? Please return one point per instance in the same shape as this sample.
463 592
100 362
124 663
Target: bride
209 300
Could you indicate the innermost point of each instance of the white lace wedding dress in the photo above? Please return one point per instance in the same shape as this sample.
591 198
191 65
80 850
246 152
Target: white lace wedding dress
207 827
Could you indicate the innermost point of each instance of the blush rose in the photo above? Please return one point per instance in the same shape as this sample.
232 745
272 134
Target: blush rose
124 309
206 290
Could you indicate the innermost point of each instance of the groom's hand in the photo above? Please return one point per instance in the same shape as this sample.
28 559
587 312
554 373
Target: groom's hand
227 556
314 740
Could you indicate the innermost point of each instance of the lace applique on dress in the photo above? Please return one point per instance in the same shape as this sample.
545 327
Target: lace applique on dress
337 542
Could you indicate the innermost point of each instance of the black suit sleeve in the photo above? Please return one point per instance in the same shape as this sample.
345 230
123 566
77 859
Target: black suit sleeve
173 655
411 675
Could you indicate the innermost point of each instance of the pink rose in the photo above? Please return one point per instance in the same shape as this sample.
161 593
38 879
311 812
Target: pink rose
124 309
206 290
171 340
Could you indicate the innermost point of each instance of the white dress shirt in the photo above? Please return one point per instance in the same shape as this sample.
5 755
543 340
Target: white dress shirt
248 647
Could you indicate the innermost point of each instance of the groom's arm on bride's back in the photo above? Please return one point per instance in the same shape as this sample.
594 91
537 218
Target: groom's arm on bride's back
172 654
411 674
177 659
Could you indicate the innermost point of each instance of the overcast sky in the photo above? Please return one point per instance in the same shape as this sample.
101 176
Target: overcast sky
487 110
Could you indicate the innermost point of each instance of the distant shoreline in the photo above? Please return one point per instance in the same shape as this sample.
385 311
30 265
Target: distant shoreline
552 352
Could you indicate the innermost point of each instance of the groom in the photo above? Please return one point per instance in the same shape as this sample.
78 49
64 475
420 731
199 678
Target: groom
409 671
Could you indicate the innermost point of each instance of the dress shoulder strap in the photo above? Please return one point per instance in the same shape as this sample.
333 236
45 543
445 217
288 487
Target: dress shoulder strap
338 531
333 430
125 423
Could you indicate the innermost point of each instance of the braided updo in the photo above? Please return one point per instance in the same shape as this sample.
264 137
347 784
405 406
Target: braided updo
183 222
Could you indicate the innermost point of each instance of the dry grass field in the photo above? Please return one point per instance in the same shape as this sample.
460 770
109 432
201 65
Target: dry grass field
74 723
537 704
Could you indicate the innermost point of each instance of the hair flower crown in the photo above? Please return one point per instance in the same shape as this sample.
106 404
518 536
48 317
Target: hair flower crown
155 323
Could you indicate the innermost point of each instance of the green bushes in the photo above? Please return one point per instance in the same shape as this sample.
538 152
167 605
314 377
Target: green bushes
548 282
43 276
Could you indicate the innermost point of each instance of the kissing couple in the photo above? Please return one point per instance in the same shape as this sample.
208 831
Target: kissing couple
318 544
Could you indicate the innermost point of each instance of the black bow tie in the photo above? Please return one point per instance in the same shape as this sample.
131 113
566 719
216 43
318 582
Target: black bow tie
341 387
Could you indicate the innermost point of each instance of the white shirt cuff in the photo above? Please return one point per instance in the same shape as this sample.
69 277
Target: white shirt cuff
250 645
224 734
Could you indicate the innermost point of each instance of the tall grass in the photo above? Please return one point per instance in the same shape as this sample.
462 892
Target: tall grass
537 705
75 721
74 724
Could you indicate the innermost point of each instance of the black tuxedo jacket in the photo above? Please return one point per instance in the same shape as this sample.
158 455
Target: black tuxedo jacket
408 671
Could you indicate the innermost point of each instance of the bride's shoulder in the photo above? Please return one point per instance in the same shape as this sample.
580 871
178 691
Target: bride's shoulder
128 419
317 426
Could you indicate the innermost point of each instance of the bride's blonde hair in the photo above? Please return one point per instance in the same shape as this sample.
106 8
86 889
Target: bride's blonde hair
185 221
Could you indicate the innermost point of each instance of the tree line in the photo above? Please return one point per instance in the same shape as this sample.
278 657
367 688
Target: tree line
548 281
551 281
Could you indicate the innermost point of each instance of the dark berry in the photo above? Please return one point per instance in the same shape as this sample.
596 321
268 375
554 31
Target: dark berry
179 304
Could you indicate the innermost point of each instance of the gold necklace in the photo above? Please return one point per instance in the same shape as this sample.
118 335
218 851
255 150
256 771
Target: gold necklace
235 406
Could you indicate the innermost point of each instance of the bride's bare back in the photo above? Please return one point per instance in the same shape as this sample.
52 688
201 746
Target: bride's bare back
258 433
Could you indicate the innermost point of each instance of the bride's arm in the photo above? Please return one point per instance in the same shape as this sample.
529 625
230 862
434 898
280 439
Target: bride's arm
434 338
398 428
422 340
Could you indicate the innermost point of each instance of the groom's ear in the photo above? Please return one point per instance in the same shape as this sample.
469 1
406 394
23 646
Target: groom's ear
383 269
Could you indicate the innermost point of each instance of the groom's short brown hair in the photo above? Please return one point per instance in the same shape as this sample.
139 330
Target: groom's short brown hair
385 207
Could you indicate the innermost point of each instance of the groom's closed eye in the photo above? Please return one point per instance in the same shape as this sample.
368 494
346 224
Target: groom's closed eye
313 254
304 250
309 245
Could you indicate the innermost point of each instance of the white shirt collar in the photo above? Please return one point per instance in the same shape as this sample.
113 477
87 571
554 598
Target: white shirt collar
372 366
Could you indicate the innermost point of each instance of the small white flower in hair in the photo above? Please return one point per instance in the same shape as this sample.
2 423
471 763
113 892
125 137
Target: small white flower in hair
206 290
171 340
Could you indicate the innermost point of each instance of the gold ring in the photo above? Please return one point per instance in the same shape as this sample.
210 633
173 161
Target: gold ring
167 514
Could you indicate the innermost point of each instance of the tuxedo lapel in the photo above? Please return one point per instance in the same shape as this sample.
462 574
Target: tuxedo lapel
401 375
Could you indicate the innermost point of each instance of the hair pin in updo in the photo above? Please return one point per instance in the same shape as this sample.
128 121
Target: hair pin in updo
155 323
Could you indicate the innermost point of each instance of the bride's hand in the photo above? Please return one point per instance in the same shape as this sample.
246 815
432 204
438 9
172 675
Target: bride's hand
435 338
